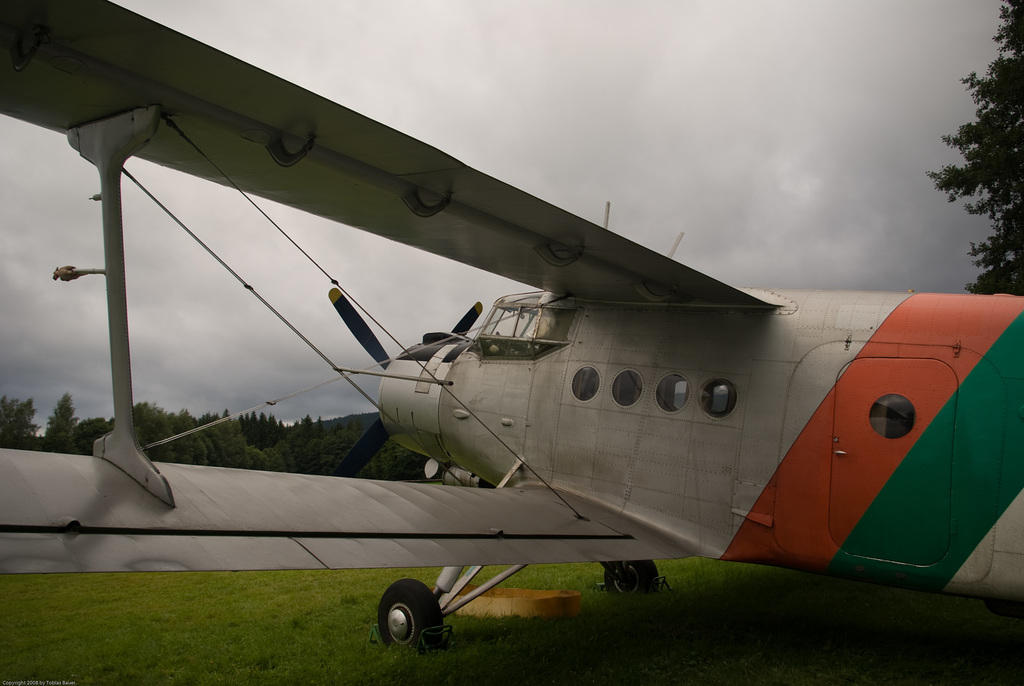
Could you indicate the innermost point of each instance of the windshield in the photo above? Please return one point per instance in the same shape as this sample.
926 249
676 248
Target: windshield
519 331
514 322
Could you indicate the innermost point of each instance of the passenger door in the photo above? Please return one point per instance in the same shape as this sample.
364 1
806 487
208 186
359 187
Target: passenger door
891 462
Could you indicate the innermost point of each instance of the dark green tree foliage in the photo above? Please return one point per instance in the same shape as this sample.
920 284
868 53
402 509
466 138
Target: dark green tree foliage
16 427
994 160
394 463
61 427
261 432
222 445
87 431
251 442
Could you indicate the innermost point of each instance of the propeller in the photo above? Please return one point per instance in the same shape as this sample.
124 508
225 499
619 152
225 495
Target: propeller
376 435
363 451
358 327
468 319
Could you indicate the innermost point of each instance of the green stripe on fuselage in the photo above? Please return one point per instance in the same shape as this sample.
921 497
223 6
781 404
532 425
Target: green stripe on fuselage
907 519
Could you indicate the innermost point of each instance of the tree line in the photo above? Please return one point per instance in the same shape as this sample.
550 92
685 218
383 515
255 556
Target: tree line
251 441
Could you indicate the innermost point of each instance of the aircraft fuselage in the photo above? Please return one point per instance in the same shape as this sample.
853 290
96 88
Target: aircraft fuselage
869 435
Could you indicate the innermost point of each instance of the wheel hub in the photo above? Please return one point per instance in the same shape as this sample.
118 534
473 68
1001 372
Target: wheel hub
398 623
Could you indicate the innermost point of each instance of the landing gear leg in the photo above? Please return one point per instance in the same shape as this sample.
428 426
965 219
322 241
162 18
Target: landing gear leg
633 576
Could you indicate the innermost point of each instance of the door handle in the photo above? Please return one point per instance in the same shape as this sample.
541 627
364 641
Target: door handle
838 452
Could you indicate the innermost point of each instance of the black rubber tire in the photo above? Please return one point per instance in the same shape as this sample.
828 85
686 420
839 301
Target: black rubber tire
406 609
639 576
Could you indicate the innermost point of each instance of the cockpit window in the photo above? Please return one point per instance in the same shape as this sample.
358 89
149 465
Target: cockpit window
554 324
513 322
520 330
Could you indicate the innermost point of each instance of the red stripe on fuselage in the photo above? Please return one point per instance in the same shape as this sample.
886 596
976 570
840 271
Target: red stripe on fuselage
789 523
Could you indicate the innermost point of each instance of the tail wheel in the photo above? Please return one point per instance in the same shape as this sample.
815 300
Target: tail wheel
634 576
406 609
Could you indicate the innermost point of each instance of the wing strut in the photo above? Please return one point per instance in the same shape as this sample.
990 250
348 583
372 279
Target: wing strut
107 143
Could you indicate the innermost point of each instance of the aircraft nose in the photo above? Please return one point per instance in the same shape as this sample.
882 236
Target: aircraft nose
409 409
419 361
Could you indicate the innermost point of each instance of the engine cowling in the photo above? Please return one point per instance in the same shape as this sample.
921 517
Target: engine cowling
409 409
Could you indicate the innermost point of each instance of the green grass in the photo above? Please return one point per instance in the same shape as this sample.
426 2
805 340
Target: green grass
721 624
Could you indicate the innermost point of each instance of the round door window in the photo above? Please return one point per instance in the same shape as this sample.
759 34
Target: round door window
892 416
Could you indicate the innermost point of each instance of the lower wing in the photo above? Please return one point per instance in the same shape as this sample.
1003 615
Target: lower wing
74 513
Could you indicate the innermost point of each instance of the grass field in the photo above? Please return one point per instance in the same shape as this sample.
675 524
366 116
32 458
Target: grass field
721 624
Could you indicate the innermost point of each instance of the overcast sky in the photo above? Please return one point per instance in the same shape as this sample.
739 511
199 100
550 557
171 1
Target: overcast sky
788 139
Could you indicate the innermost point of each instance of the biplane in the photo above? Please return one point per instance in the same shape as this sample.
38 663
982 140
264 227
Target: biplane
631 409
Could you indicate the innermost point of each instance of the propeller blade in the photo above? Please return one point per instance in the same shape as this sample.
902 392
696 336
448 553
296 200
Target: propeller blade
376 435
467 321
363 451
358 327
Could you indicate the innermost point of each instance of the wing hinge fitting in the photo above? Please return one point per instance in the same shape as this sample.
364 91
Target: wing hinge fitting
559 255
24 48
421 209
656 292
288 159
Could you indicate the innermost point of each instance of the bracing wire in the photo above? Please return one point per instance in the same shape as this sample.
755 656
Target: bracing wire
174 126
231 271
252 290
177 129
170 122
236 415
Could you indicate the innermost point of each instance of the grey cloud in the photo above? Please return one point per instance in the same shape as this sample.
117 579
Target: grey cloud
789 140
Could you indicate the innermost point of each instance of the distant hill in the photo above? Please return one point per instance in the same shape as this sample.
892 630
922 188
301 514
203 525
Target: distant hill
365 419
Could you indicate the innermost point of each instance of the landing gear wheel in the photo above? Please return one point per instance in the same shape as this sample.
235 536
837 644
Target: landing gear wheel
633 576
406 609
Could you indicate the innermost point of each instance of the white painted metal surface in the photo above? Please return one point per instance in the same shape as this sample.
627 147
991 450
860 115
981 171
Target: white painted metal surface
65 513
358 172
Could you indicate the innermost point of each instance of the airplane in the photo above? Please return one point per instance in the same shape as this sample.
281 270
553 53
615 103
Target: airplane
631 409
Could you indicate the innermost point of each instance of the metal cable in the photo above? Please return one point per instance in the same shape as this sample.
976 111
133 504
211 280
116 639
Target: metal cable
252 290
236 415
174 127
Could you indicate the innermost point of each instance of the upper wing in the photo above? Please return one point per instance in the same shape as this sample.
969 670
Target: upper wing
74 513
83 60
